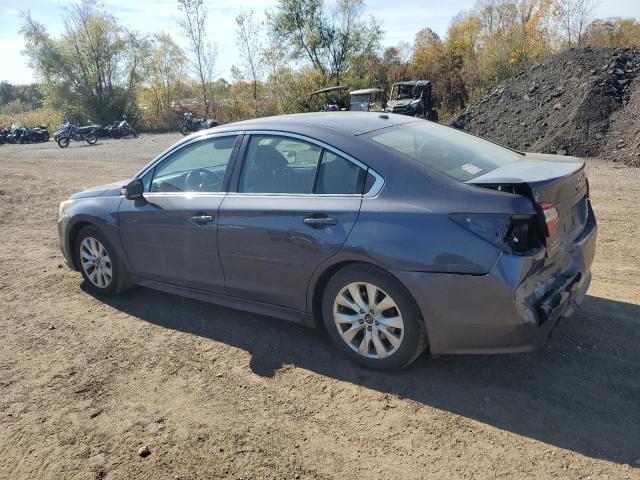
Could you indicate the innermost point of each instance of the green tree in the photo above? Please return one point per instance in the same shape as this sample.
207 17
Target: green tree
326 36
93 69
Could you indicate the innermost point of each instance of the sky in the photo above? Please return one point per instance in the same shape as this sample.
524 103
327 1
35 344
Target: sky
401 19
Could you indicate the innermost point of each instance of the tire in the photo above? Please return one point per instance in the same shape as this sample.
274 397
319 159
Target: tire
111 278
432 115
46 137
91 138
403 319
63 142
184 129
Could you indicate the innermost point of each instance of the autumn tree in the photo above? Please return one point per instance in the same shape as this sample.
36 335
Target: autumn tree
250 43
613 32
165 71
202 53
573 16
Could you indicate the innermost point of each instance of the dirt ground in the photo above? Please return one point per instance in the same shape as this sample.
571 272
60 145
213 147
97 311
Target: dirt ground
216 393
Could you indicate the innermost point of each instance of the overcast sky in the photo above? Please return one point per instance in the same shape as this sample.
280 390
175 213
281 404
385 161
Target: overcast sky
401 19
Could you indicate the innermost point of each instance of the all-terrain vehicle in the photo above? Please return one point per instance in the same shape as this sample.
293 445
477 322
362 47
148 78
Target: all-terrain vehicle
367 100
412 98
334 100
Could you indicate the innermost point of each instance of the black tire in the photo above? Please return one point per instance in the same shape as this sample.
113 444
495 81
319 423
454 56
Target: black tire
432 116
184 129
63 142
91 138
414 339
46 137
120 280
116 134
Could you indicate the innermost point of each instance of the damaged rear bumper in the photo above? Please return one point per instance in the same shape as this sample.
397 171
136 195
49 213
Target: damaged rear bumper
514 308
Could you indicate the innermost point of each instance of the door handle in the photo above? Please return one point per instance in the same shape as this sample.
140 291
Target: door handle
323 221
202 219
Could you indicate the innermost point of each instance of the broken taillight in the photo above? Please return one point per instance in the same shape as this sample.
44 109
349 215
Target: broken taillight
551 217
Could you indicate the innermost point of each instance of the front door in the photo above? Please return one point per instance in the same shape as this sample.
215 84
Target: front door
294 207
171 235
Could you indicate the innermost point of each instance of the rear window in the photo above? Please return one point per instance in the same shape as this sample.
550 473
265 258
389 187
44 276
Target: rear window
447 150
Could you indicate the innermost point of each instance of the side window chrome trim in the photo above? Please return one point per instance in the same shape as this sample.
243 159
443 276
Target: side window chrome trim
373 191
163 156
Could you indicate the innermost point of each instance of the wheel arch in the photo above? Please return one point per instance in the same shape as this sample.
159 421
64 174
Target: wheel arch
322 278
74 231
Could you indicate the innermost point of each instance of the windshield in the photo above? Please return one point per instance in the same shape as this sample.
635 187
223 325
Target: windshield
447 150
401 92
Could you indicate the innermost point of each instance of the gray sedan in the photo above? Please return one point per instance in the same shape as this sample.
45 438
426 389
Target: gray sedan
392 233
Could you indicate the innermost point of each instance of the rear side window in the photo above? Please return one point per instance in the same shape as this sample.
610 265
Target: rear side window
449 151
275 164
338 176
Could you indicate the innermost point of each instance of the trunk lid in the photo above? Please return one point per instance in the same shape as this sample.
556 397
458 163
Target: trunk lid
549 181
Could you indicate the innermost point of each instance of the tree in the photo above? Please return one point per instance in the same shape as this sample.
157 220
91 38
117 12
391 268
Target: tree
613 32
573 16
249 40
327 37
166 65
203 53
93 69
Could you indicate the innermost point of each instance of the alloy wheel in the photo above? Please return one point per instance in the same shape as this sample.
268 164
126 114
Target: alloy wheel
368 320
96 262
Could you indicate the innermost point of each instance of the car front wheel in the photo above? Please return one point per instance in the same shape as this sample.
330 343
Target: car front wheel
372 319
99 263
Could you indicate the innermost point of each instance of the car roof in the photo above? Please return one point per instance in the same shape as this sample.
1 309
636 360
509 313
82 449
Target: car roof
350 123
365 91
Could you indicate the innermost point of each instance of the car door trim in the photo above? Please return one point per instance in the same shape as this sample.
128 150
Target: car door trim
241 156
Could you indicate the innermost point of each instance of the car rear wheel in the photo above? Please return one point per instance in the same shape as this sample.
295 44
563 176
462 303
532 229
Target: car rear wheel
99 263
372 319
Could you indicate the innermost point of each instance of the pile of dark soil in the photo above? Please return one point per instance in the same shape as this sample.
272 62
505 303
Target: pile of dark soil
583 102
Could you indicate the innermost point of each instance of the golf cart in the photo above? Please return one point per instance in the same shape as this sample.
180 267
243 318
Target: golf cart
333 98
367 100
412 98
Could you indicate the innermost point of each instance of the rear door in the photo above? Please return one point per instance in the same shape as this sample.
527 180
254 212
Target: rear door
171 235
294 206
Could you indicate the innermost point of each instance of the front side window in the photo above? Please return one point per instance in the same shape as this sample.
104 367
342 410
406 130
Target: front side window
449 151
275 164
197 167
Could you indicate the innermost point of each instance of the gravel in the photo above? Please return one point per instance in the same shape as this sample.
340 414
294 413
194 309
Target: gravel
583 102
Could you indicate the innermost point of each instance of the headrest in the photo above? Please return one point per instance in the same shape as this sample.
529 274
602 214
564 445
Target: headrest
268 158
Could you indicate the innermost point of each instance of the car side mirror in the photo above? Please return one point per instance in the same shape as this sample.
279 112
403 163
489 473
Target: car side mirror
134 189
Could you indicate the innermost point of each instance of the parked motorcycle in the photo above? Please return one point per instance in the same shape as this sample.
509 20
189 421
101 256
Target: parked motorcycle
126 129
194 124
15 133
67 132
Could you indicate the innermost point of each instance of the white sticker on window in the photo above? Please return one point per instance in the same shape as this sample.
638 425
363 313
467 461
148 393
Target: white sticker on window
471 168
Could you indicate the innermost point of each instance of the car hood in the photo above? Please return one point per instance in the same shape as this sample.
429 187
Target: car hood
111 189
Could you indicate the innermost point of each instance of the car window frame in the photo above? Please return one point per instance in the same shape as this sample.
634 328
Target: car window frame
241 159
166 155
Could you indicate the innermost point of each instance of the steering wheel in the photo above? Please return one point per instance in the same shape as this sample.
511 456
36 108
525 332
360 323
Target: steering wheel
199 179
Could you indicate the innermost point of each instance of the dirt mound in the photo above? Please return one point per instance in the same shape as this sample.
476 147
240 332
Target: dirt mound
583 102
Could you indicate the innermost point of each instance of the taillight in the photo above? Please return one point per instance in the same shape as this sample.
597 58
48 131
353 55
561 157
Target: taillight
551 217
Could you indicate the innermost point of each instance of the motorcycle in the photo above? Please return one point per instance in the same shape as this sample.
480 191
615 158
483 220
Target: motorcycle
67 132
37 134
15 133
125 129
194 124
